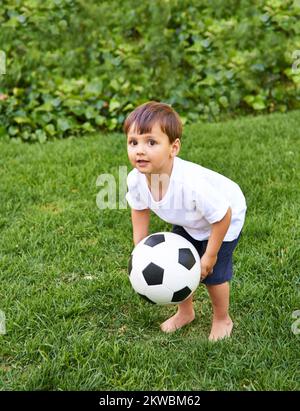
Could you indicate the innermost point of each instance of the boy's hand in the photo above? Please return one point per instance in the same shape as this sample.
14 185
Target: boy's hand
207 264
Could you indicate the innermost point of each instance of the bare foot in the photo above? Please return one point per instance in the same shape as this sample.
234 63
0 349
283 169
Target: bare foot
220 329
177 321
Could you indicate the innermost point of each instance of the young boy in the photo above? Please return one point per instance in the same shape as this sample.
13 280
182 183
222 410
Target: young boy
205 207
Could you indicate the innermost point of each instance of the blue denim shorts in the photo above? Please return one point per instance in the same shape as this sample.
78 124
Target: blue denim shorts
223 269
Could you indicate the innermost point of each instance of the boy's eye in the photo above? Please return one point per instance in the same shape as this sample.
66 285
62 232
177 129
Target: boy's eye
134 142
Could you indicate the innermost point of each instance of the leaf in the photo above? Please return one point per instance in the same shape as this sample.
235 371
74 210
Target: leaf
88 127
113 105
99 120
13 130
112 123
22 120
94 87
72 102
63 124
224 101
90 112
41 136
128 106
249 99
50 129
45 107
259 105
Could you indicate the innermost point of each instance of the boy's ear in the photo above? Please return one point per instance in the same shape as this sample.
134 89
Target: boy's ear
175 147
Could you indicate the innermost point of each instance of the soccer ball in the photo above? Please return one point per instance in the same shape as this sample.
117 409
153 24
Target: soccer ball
164 268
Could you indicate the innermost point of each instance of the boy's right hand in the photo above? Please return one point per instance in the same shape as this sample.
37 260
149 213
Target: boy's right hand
207 264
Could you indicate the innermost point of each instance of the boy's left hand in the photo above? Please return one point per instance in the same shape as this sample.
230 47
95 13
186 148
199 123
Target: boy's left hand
207 264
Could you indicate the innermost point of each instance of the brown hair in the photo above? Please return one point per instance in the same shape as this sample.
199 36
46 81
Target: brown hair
145 115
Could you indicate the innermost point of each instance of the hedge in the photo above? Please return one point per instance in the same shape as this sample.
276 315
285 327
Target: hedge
75 67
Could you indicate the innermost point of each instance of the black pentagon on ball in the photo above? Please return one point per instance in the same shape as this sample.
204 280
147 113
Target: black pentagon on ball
186 258
146 298
153 274
180 295
130 265
154 240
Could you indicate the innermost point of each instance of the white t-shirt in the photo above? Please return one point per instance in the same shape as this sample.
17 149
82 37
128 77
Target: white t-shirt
196 197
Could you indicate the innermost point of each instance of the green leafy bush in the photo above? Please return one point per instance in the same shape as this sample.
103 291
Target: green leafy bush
76 66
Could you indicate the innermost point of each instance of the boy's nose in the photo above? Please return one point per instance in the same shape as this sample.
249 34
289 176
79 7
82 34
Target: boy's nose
140 149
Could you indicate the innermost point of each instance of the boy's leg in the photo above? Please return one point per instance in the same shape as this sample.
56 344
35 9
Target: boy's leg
222 323
185 314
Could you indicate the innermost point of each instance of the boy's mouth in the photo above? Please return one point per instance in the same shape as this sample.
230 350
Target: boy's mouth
142 162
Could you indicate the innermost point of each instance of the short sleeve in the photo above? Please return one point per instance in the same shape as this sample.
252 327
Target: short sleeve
133 195
212 204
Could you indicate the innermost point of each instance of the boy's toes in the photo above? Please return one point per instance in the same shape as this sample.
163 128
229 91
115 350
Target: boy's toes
176 322
220 330
168 326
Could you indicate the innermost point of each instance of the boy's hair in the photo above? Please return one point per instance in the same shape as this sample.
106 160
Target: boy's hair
145 115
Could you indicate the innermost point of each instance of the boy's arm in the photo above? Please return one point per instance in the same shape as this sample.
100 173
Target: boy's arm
140 224
218 232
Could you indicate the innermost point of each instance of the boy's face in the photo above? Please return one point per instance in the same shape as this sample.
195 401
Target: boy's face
151 153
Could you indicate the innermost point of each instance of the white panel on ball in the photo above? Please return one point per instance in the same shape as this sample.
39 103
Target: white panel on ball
159 294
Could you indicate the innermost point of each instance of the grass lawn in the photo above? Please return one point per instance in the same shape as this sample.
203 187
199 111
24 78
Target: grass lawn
73 321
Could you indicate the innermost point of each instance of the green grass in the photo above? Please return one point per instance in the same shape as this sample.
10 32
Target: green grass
73 321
